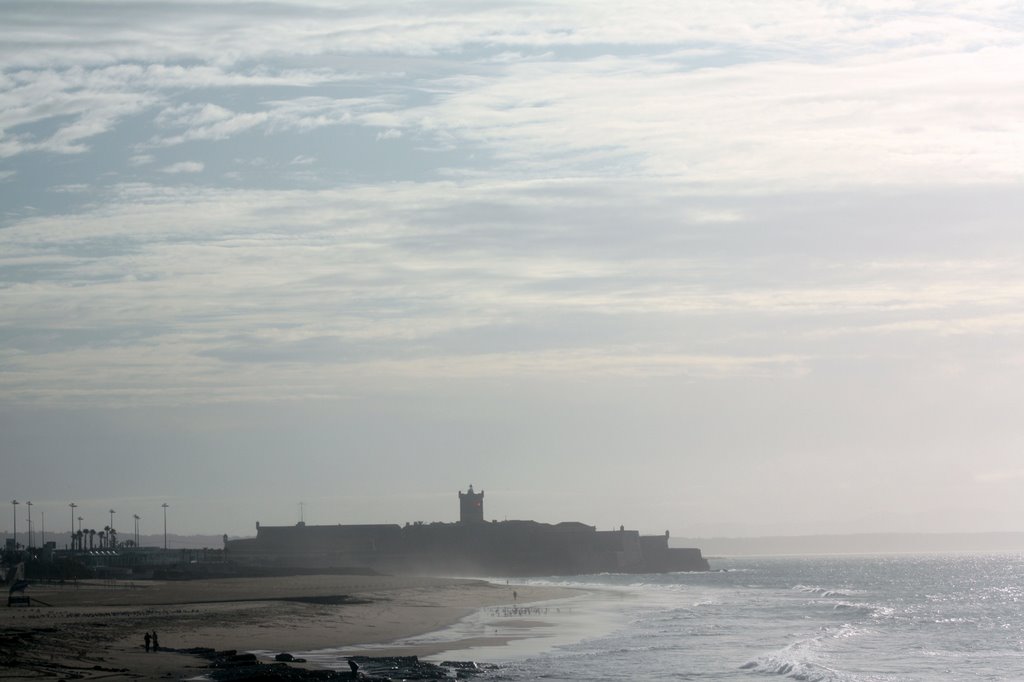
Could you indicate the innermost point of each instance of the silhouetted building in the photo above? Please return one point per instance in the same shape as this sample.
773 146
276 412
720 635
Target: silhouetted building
470 547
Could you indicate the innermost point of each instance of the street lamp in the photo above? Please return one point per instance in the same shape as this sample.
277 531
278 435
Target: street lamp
73 506
29 505
165 506
136 517
42 541
14 507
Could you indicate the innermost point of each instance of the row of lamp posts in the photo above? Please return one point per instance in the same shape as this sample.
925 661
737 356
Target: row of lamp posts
73 506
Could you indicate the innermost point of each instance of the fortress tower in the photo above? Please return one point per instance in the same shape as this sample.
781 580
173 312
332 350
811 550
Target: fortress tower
471 506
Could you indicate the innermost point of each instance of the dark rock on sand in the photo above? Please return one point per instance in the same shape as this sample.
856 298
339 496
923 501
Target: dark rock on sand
285 657
229 666
237 660
412 668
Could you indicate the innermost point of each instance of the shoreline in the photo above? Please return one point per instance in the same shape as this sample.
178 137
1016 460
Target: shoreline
94 630
496 636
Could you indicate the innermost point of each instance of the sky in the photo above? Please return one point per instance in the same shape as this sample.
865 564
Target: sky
723 268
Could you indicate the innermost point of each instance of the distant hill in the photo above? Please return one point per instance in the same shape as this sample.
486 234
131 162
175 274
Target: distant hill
862 543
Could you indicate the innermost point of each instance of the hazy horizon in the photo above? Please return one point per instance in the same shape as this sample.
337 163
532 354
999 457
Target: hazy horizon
723 269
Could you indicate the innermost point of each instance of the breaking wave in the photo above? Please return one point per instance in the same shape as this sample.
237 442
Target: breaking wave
801 660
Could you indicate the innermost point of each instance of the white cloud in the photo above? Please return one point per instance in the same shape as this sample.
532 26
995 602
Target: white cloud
835 70
205 122
350 286
842 93
38 98
71 189
99 99
776 125
184 167
213 122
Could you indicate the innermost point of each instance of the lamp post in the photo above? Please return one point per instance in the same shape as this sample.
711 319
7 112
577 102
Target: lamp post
42 540
136 517
29 505
165 506
73 506
14 507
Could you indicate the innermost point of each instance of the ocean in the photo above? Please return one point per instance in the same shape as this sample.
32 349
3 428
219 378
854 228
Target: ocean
828 618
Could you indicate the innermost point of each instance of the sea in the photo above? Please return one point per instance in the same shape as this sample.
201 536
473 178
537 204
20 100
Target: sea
816 618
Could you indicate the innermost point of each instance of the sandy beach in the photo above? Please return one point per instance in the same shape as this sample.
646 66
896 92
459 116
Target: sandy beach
94 630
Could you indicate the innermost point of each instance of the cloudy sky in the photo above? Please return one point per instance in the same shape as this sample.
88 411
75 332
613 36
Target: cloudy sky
726 268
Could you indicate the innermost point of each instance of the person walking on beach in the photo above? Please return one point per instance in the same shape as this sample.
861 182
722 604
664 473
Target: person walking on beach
156 642
146 640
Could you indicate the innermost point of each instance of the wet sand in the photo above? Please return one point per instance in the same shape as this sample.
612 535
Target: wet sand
95 630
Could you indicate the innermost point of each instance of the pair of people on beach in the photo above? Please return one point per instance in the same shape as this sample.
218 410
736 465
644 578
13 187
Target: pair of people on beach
151 638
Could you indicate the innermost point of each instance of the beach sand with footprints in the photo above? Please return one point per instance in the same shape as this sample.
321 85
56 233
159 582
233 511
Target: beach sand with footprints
95 630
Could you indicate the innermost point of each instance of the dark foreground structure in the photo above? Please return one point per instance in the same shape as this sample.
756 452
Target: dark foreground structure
470 547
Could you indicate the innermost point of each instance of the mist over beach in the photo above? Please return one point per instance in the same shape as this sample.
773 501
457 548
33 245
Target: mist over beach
284 285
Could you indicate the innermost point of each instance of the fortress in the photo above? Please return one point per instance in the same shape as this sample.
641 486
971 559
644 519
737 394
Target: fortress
472 546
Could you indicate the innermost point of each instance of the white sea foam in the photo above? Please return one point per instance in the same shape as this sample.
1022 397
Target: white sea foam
825 591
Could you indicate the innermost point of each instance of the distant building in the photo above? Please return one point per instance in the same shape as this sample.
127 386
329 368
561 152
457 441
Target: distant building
470 547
